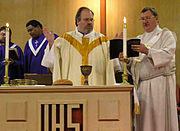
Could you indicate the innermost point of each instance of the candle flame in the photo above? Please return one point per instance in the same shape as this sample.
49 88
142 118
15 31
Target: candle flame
7 24
124 19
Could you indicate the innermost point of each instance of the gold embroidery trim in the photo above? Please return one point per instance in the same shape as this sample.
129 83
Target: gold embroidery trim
136 108
85 48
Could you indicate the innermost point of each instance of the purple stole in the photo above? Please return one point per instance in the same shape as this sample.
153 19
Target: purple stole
33 54
16 70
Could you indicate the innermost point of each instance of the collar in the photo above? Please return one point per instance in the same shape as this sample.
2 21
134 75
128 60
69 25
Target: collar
1 44
86 35
10 44
155 31
39 39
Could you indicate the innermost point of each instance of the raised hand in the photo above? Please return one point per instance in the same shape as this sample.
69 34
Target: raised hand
49 36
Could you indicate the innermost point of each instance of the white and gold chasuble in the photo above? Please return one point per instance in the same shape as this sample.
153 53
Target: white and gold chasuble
71 50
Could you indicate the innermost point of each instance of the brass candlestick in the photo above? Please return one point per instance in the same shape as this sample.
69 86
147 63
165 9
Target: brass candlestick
125 75
6 76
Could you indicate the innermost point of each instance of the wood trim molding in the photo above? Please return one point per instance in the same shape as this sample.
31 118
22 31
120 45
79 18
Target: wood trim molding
64 89
103 17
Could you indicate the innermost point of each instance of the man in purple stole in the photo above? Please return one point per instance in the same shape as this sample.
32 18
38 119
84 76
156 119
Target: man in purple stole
16 70
34 49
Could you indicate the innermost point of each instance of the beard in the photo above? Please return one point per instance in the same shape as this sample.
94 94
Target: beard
89 28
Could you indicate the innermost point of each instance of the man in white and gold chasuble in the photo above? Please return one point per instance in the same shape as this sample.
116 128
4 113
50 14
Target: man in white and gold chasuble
83 46
73 50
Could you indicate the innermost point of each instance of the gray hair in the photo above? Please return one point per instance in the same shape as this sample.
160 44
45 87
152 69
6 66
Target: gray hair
153 10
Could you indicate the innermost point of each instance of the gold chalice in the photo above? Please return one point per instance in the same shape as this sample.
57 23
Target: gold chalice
86 71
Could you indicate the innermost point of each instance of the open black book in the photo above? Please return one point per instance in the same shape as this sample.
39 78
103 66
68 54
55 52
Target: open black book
13 54
116 46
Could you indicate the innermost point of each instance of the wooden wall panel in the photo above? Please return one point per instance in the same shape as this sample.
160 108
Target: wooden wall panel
56 15
168 12
16 13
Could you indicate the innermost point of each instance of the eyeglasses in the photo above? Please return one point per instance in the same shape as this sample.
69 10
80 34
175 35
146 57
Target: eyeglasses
87 19
3 34
146 18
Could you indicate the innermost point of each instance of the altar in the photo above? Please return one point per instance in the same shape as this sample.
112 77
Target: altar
66 108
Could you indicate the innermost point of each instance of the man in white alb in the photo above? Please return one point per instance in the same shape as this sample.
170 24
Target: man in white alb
80 47
154 76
